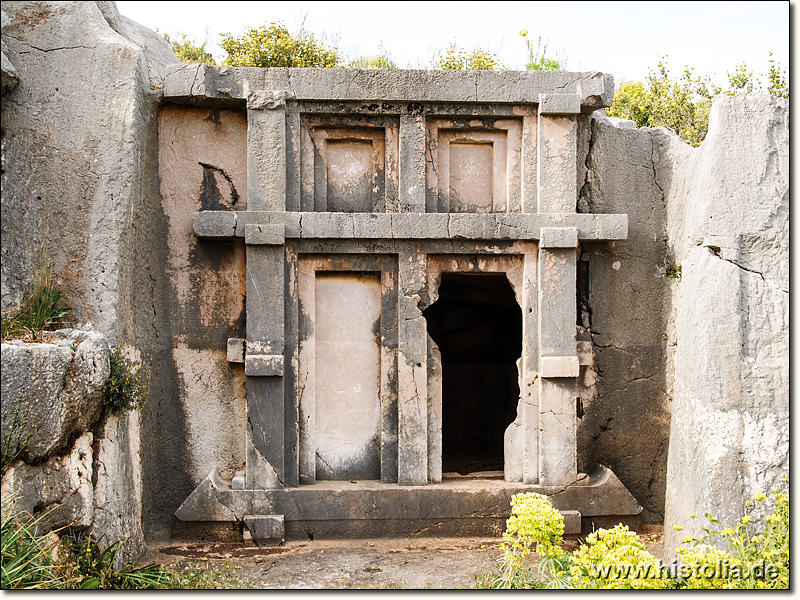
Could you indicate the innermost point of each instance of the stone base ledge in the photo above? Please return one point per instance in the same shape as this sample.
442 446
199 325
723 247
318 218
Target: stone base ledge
341 509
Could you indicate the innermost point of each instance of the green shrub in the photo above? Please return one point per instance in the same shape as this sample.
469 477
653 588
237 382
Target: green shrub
615 559
479 60
42 308
188 52
126 387
372 62
274 46
684 105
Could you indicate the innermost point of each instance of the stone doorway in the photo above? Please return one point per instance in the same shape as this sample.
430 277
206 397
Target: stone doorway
477 325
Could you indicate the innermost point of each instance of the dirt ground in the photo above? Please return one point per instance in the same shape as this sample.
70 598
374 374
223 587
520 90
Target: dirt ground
407 563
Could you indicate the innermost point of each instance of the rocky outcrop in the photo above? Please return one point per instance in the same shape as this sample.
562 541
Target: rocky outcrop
728 223
76 129
78 467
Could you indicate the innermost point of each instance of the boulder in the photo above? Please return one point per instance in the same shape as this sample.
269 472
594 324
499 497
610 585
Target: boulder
52 392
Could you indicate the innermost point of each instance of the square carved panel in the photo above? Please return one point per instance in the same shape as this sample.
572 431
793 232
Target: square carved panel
348 164
474 165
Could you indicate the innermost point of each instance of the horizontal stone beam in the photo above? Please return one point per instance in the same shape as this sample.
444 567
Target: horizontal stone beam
204 83
411 226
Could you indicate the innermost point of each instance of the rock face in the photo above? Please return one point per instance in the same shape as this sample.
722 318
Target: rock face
729 223
79 468
75 133
55 389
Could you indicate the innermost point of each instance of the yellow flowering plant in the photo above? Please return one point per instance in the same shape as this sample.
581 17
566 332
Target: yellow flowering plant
616 559
126 386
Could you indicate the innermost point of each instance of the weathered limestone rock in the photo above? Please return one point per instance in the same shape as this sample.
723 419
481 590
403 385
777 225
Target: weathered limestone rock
728 219
76 132
56 390
118 488
60 489
623 300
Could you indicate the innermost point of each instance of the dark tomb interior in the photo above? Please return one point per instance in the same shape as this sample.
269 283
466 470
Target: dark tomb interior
477 324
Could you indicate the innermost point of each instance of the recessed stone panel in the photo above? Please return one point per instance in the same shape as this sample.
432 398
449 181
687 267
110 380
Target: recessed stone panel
471 175
351 170
348 164
475 165
348 375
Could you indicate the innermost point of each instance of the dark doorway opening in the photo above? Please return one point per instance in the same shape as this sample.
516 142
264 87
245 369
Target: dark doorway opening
477 324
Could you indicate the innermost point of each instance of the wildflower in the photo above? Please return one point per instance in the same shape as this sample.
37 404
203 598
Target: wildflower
677 527
727 532
760 497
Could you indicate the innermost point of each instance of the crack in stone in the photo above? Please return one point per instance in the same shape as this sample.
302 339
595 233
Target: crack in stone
715 250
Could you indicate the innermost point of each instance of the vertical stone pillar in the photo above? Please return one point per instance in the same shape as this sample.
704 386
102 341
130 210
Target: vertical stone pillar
412 163
558 249
264 357
412 370
556 164
266 150
558 357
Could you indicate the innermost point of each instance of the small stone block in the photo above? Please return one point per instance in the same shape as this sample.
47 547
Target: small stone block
558 237
266 530
264 235
214 224
559 366
263 365
237 483
572 522
559 104
268 99
236 350
585 355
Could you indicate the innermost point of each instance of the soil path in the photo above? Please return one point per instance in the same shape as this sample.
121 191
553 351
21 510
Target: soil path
407 563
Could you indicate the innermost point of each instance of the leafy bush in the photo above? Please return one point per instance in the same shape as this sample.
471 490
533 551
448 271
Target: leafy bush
42 308
188 52
126 387
372 62
479 60
274 46
684 105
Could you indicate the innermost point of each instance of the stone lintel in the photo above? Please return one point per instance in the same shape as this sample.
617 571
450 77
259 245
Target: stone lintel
264 235
412 226
558 237
263 365
236 348
559 366
198 83
559 104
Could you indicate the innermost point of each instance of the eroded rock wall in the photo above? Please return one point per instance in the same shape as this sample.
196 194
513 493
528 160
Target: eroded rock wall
728 222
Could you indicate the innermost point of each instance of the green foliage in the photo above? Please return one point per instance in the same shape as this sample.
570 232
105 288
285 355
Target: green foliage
92 568
479 60
684 105
372 62
42 308
274 46
126 387
25 562
674 271
14 435
538 59
29 562
188 52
